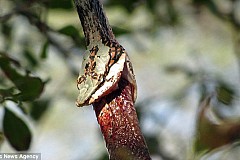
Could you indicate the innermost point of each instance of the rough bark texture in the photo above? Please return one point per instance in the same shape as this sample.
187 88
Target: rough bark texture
94 22
119 124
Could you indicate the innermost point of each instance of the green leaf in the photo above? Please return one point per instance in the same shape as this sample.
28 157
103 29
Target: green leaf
6 29
151 4
69 30
30 87
38 108
16 131
225 93
72 32
6 93
44 51
30 58
119 31
172 13
153 144
126 4
60 4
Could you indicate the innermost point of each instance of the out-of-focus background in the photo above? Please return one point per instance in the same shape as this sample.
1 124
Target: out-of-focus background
186 58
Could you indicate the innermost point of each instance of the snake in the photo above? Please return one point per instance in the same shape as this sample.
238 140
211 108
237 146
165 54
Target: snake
107 82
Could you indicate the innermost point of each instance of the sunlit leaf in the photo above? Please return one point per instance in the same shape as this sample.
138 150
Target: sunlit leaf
16 131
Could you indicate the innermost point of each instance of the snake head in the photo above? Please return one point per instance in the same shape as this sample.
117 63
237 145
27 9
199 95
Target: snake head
102 69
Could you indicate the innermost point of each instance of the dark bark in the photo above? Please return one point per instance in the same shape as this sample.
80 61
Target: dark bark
94 22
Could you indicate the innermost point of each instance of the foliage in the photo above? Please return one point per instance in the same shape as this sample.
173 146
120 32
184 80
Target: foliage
16 131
